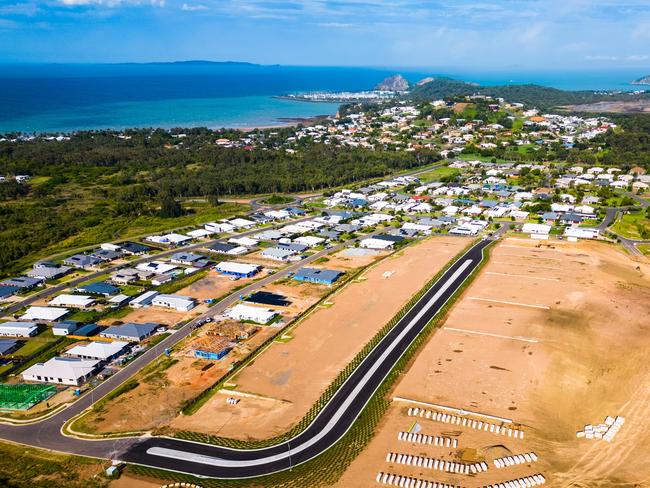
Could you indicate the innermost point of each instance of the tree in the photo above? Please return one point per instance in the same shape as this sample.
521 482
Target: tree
169 206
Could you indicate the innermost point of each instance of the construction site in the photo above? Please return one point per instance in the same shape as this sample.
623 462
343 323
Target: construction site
537 375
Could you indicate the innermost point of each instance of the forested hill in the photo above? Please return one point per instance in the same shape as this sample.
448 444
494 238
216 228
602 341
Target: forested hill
532 95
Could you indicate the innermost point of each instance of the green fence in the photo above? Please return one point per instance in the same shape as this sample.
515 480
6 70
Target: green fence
23 397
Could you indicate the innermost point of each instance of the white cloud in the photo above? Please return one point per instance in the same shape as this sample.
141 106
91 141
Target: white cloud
601 57
112 3
193 8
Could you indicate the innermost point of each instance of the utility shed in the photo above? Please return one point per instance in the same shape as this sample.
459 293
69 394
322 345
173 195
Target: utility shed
316 275
7 346
64 371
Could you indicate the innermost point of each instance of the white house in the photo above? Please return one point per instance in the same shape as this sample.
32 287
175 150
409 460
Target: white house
248 312
64 371
581 233
529 228
144 299
99 350
243 241
372 243
309 241
221 227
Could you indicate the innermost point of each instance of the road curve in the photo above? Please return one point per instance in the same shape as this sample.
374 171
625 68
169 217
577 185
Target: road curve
333 421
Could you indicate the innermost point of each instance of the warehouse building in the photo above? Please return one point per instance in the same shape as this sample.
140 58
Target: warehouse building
18 329
77 301
315 275
177 302
47 314
241 270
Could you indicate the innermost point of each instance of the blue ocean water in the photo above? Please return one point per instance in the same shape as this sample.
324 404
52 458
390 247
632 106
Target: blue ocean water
56 98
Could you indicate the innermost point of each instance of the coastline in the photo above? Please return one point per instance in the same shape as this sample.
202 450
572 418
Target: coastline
285 122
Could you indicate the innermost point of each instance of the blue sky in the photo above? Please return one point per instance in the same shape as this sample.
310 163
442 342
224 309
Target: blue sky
590 34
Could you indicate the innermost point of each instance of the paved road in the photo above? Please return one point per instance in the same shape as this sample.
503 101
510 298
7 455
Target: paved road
336 417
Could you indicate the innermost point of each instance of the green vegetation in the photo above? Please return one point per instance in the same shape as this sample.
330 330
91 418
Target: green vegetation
22 467
180 283
99 187
634 225
534 95
438 174
276 199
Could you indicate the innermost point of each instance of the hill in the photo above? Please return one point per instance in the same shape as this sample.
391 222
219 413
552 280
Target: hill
535 95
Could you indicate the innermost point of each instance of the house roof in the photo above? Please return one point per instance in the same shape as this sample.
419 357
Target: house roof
100 288
317 274
98 349
44 313
131 330
69 368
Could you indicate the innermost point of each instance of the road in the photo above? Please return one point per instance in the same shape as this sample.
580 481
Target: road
205 460
336 417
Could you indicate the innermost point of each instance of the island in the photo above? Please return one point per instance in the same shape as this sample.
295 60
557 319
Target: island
644 80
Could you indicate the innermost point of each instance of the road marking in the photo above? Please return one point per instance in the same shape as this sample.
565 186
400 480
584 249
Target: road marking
520 276
340 412
489 334
519 304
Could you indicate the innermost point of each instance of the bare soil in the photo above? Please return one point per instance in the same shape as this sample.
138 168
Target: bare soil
294 374
553 369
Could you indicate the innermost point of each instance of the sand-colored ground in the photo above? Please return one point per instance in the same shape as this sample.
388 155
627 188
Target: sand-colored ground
257 258
294 374
301 295
214 285
351 258
568 350
156 315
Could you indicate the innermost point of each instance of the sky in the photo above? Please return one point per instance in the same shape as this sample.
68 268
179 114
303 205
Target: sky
589 34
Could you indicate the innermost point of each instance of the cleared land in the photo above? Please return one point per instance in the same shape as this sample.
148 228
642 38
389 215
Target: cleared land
291 376
552 338
636 106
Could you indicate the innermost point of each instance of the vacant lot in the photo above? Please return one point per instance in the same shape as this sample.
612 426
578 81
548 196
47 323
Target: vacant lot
162 390
552 338
291 376
214 285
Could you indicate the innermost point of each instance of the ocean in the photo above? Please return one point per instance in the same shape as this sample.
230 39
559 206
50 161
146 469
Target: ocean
36 98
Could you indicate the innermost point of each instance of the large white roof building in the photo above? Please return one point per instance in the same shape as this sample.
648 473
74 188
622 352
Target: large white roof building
248 312
79 301
102 351
64 371
48 314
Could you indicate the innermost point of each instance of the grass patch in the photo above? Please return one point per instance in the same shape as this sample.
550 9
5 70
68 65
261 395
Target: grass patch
633 225
438 173
180 283
34 468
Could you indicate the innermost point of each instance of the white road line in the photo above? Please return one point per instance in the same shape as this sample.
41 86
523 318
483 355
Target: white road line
340 412
520 276
518 304
489 334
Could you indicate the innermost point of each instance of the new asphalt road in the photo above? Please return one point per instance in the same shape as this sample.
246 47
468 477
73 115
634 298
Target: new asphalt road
337 416
206 460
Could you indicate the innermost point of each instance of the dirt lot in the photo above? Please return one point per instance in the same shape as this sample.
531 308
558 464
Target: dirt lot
214 285
160 393
351 258
567 350
291 376
156 315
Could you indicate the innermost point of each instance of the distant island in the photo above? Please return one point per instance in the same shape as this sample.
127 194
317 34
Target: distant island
645 80
200 62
